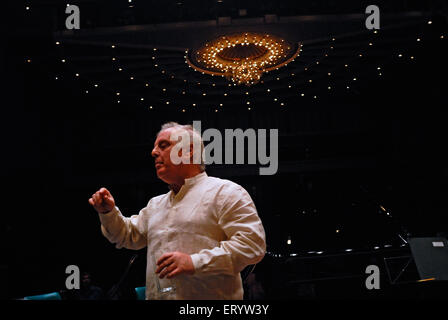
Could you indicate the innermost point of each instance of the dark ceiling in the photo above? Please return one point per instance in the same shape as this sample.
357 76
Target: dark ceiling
361 118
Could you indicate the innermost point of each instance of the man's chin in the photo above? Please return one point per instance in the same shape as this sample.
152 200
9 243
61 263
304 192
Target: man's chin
162 175
159 173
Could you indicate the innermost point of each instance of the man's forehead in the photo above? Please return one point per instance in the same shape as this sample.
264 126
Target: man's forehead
164 134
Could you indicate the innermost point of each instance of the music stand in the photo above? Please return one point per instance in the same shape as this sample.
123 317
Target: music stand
430 257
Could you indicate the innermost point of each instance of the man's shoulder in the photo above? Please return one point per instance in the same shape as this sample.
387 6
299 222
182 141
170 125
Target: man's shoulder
159 198
223 184
227 192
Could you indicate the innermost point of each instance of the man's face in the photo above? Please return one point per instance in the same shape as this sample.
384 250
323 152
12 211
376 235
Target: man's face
165 169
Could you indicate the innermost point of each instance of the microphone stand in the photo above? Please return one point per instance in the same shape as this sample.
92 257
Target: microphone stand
112 294
409 259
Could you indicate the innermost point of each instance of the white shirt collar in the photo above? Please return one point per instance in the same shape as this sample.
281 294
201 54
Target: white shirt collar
196 178
189 182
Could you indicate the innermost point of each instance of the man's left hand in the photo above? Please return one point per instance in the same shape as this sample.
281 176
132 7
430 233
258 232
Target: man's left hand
171 264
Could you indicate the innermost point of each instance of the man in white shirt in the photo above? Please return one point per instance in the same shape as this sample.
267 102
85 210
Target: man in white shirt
202 233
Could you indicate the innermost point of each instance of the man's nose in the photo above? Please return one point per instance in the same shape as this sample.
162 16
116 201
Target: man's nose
155 152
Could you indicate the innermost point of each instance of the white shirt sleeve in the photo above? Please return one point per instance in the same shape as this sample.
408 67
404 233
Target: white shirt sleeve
246 240
129 233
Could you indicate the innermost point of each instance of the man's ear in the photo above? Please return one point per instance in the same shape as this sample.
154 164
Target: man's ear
180 152
191 153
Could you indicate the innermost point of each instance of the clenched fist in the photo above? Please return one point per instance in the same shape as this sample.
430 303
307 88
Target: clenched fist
102 201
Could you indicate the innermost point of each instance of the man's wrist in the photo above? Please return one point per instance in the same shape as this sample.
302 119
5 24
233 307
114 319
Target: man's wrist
196 260
107 212
109 216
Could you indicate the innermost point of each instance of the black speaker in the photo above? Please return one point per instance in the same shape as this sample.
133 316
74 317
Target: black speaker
431 257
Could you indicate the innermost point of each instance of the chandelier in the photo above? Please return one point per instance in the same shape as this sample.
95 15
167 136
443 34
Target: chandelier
243 57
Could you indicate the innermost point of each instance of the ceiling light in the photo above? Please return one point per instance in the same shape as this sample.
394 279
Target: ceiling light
242 58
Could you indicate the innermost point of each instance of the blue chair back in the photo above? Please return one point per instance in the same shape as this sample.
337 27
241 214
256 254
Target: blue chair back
46 296
140 292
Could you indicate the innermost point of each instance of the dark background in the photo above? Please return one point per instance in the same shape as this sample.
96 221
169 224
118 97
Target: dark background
342 155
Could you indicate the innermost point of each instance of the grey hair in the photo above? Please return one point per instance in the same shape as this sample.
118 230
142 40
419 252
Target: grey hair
194 135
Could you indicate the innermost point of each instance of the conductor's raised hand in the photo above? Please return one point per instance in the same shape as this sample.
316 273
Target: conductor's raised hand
102 201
